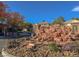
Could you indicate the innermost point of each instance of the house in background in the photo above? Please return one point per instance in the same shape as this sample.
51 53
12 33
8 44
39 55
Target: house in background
45 24
36 27
73 24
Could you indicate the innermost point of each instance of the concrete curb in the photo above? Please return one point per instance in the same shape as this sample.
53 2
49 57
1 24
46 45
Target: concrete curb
5 54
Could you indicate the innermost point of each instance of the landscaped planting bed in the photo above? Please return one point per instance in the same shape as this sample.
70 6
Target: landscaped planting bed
50 41
34 49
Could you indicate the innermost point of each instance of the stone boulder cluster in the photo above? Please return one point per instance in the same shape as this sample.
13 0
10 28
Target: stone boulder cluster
56 33
53 40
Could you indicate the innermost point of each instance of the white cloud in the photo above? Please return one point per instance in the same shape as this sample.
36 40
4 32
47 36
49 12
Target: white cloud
76 9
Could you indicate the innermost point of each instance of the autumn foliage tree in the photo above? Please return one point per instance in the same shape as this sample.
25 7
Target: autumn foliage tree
12 19
15 18
2 12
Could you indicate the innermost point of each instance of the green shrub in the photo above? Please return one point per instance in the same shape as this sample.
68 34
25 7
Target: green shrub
53 47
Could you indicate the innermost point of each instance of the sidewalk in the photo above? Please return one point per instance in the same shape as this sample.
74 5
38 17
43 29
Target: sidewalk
3 44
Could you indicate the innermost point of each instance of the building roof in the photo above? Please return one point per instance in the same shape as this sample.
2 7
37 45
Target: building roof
43 23
72 21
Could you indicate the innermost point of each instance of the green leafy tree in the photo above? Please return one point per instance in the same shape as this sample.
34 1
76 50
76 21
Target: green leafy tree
2 20
58 20
29 27
26 25
75 18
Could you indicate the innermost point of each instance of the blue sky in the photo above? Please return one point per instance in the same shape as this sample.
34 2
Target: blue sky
36 12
